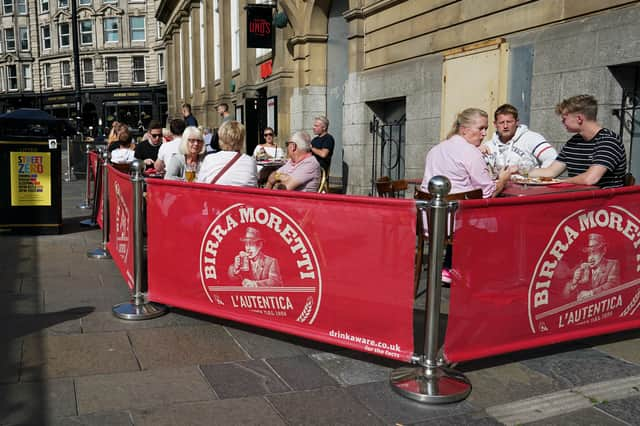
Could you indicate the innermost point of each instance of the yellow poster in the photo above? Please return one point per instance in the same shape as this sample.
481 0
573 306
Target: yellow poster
30 178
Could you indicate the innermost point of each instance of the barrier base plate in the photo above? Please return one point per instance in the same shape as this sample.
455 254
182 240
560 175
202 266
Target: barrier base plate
88 222
98 253
83 206
133 312
443 386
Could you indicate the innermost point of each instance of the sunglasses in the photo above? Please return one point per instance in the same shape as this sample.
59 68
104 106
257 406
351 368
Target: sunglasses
157 135
268 134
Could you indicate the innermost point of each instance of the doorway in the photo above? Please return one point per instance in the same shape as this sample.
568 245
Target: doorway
255 120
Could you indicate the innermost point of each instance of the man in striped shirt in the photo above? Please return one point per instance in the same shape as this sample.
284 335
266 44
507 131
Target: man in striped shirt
594 155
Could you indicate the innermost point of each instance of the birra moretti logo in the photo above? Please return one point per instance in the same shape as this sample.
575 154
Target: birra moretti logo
589 271
258 260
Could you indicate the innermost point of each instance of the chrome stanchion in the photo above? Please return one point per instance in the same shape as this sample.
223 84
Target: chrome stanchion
431 382
87 202
69 172
139 308
102 252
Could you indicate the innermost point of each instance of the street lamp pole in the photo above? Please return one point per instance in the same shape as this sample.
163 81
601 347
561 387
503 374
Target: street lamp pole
76 63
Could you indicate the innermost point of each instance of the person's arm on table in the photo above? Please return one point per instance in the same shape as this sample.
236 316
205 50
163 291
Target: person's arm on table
555 169
591 177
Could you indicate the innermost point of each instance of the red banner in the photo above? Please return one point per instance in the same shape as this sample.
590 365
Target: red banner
331 268
92 158
534 271
120 243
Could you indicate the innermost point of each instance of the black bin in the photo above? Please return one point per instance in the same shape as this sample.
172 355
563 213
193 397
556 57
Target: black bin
31 171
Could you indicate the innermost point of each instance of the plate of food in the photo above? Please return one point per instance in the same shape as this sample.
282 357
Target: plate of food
535 180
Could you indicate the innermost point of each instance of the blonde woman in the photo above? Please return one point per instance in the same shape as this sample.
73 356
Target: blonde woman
229 166
185 164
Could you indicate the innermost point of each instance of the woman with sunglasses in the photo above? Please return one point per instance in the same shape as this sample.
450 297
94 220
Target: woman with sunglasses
269 150
186 163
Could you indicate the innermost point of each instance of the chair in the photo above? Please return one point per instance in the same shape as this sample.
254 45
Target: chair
322 188
391 189
474 194
629 180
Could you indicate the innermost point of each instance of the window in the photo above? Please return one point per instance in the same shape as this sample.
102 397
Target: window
65 73
216 41
44 6
235 35
138 69
86 31
111 68
159 30
27 78
63 3
63 34
190 54
85 2
23 33
10 39
2 80
203 58
12 77
111 30
160 66
46 75
109 1
136 23
8 9
22 7
87 71
45 31
1 42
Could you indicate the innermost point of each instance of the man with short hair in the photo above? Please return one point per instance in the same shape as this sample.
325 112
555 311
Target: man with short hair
167 149
322 145
594 155
189 119
513 141
214 143
302 172
147 150
223 111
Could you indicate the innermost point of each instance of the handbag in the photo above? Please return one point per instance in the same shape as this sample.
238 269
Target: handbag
226 167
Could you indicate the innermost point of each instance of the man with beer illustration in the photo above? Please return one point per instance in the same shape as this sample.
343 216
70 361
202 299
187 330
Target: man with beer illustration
595 275
252 267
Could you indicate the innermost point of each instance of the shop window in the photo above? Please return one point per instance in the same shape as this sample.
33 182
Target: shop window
46 76
111 30
136 24
86 31
111 69
87 71
27 78
23 33
138 69
10 39
65 73
45 32
12 77
63 35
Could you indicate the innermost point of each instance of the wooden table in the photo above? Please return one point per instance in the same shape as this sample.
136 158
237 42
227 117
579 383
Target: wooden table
517 190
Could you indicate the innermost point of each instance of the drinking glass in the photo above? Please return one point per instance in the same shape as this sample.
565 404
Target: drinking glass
524 166
190 172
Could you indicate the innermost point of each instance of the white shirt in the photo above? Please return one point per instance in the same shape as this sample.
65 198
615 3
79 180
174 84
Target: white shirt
242 173
168 149
122 155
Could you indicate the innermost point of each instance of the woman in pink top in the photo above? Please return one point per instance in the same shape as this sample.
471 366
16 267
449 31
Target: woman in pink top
459 159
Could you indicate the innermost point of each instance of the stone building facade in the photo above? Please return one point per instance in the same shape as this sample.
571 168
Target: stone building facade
391 74
121 59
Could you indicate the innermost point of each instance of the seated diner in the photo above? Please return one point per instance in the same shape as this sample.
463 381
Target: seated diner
186 163
124 154
302 171
229 166
594 155
269 150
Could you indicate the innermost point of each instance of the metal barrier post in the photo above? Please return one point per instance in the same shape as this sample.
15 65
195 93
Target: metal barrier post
138 308
87 202
431 382
69 171
102 252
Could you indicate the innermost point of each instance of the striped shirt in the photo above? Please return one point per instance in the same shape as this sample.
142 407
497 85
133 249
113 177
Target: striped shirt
605 149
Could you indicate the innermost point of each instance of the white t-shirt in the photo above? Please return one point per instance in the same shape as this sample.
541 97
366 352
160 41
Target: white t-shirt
168 149
273 152
122 156
242 173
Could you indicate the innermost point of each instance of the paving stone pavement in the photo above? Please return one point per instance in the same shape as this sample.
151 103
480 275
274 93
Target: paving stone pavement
66 360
